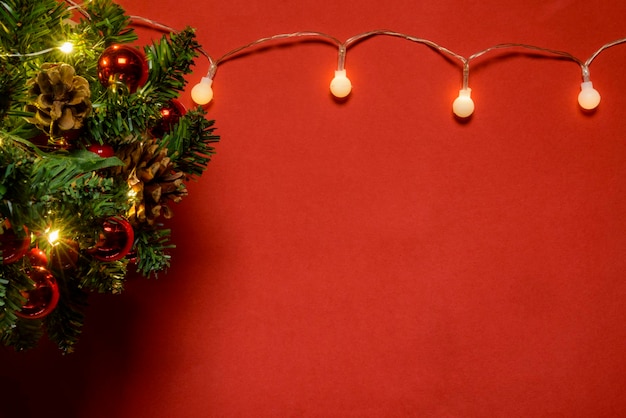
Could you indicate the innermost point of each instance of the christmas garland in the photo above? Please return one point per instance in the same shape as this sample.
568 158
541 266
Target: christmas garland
94 147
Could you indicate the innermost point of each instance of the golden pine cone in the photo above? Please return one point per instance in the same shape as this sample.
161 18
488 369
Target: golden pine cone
153 180
60 99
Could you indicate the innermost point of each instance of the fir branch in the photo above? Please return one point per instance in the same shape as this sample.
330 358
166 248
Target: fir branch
55 171
105 277
109 22
12 282
15 171
26 26
29 26
88 47
151 249
188 143
10 84
64 324
120 118
93 196
25 335
170 60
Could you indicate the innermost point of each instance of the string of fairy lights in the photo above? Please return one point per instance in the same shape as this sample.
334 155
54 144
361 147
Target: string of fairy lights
462 106
340 86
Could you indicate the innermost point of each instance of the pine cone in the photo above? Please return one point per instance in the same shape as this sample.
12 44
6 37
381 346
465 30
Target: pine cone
60 99
153 180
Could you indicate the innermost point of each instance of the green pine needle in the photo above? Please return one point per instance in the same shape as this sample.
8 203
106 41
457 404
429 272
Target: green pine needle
75 191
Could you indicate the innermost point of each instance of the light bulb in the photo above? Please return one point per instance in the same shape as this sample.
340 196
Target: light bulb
53 236
340 86
67 47
463 106
202 93
588 98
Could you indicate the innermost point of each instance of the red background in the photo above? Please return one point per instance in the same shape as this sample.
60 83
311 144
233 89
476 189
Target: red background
377 258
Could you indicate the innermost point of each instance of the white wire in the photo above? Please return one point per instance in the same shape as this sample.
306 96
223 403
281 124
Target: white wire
465 61
343 46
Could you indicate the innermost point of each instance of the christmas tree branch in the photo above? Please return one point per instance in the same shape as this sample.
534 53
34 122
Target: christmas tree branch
188 143
73 221
170 60
64 324
25 27
12 281
105 277
151 249
109 22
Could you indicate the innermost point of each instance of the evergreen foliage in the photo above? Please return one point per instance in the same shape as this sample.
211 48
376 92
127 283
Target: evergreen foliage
44 185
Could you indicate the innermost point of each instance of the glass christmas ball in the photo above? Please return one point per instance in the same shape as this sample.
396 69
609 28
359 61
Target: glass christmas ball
43 298
37 257
122 63
66 140
13 247
170 115
102 150
115 241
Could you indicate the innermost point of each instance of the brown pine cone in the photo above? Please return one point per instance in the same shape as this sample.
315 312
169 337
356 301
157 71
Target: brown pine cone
60 99
153 180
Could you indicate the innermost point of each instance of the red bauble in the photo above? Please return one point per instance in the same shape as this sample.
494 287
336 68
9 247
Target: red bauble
43 298
122 63
64 254
116 240
37 257
13 247
67 140
132 257
103 150
170 115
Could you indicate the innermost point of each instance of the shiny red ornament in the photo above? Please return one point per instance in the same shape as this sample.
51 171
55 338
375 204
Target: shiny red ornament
67 140
116 240
37 257
170 115
125 64
102 150
13 247
43 298
132 257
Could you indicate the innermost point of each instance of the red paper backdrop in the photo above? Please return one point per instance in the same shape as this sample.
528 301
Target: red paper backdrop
377 258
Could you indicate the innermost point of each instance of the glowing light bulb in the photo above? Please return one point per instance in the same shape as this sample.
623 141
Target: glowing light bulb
340 86
588 98
67 47
463 106
53 236
202 93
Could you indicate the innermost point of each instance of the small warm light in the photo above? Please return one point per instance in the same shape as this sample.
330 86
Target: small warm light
122 61
132 193
67 47
463 106
53 236
202 93
340 86
588 98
